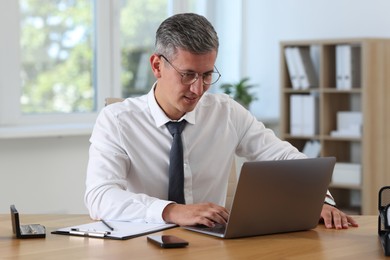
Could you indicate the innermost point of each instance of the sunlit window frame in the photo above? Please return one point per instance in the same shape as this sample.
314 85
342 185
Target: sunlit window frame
10 66
108 69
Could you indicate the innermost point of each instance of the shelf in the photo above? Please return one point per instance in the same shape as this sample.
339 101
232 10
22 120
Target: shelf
351 210
301 91
323 137
341 139
344 186
333 90
367 93
303 137
342 91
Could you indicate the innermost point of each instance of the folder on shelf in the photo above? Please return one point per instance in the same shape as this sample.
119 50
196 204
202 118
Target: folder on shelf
310 117
119 230
296 114
303 114
312 149
292 67
347 174
348 63
339 66
349 124
306 71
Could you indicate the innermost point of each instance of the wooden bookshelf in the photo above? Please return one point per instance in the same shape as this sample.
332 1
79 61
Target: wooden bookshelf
371 97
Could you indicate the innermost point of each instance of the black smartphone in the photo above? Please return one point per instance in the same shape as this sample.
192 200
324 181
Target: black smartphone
167 241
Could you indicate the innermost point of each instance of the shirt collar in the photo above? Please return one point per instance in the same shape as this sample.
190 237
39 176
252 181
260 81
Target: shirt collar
158 114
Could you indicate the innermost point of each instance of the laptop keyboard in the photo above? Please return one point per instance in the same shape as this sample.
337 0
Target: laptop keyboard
218 228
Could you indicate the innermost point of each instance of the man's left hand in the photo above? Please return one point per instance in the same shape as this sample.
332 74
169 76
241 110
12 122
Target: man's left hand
335 218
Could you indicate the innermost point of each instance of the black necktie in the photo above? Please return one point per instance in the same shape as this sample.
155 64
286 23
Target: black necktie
176 169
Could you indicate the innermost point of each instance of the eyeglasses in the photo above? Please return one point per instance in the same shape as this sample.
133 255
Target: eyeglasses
189 78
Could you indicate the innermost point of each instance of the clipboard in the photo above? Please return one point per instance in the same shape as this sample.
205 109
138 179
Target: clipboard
118 230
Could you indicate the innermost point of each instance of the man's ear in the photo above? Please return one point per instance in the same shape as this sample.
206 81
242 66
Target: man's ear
156 63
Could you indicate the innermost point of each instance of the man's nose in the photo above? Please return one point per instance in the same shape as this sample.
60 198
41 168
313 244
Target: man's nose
197 86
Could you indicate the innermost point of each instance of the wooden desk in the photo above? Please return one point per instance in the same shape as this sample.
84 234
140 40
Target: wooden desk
353 243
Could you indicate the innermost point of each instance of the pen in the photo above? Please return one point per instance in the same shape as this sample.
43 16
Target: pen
107 225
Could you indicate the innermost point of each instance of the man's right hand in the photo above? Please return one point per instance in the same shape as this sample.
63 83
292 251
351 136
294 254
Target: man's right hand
195 214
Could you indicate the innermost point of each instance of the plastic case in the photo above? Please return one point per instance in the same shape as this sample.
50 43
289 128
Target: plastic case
384 218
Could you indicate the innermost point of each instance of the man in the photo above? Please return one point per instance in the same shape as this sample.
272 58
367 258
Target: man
127 177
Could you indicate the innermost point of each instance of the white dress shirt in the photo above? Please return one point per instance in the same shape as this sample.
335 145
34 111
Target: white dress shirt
127 176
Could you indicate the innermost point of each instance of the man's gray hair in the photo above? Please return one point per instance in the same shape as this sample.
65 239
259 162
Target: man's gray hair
190 32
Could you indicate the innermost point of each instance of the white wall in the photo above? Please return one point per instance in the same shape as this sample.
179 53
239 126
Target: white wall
47 175
227 23
43 175
269 22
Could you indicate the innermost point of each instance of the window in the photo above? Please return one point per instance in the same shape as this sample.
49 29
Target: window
57 58
61 58
139 21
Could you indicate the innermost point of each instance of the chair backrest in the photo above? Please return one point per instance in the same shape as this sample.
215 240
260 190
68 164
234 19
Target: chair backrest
232 184
111 100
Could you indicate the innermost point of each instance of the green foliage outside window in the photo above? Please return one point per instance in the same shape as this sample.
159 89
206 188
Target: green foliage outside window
57 52
139 22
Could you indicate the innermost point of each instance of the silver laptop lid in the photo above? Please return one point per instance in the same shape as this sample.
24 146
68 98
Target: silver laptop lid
279 196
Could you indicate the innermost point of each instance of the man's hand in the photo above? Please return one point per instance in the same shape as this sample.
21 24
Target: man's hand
193 214
334 218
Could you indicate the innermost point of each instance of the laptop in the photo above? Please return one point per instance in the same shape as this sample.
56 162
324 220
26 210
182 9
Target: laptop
276 197
25 231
